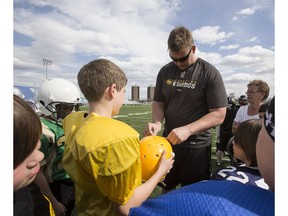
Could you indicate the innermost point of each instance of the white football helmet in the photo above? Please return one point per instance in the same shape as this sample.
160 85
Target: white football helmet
56 91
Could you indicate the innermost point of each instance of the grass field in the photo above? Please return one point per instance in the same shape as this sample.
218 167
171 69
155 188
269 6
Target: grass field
138 115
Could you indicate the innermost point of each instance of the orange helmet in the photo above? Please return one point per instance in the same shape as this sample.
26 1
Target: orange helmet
151 148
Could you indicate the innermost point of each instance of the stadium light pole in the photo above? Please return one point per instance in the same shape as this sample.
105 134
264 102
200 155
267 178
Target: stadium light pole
47 62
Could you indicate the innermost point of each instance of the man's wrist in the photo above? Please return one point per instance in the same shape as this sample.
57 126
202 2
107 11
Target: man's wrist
158 123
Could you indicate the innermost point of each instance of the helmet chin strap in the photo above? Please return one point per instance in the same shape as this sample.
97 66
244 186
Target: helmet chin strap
54 116
57 113
59 120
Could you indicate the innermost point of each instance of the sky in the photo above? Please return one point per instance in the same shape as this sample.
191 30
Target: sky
237 37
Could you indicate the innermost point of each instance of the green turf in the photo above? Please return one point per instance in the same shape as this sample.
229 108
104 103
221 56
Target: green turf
139 115
135 116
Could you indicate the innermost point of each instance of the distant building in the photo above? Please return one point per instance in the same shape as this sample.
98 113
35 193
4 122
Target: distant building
135 93
150 93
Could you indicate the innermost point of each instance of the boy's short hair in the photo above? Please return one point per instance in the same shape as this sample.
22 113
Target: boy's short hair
96 76
27 130
246 138
264 106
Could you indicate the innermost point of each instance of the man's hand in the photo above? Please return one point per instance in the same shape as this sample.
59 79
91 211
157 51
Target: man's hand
152 129
178 135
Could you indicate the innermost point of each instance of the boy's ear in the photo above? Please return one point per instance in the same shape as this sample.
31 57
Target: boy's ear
112 89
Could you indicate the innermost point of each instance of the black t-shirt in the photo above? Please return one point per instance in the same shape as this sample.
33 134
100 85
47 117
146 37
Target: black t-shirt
23 202
188 95
29 201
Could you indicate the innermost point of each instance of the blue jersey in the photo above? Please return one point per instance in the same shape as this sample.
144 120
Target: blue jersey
210 198
241 174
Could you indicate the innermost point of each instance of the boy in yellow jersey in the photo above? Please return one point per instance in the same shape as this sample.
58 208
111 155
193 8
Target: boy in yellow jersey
102 154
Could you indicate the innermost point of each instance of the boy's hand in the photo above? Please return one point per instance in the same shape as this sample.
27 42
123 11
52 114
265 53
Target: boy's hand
165 165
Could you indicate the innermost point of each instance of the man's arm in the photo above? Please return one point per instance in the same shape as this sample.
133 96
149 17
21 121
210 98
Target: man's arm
213 118
43 184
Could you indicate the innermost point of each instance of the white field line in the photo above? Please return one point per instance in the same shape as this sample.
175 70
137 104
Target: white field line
133 114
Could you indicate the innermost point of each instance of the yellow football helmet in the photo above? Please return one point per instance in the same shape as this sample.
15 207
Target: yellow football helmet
151 148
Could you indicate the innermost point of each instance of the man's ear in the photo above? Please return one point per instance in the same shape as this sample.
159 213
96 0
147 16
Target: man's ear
193 49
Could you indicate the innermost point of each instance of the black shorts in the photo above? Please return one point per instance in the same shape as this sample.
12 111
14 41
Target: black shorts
191 165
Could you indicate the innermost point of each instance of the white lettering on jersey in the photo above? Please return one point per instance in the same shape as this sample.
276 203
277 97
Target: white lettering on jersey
242 177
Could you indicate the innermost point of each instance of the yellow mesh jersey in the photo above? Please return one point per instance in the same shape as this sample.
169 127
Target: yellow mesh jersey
102 156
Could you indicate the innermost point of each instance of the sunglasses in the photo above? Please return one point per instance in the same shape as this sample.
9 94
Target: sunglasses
183 59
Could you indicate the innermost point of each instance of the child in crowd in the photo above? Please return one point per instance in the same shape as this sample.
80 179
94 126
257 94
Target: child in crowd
263 108
102 154
218 198
244 147
235 161
56 98
26 161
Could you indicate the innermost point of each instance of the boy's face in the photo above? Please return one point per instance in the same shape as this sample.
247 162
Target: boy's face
119 100
26 172
238 152
64 109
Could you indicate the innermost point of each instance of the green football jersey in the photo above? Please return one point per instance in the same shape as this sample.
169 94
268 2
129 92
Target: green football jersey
52 145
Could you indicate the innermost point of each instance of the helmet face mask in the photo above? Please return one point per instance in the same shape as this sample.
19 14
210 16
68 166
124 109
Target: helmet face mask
64 109
54 92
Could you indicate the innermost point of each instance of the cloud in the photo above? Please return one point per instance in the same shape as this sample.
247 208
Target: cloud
260 58
254 39
245 12
229 47
247 64
133 34
210 35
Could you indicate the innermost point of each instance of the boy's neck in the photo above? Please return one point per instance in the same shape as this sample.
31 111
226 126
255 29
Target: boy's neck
102 109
